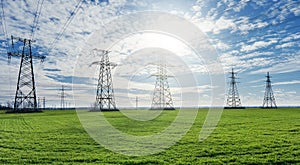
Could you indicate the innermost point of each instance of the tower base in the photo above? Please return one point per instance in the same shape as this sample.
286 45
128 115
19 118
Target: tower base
104 110
268 107
234 107
170 108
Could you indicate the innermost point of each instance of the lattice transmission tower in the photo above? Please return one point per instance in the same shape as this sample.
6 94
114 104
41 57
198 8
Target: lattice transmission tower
233 99
62 93
105 99
41 102
269 99
162 99
25 98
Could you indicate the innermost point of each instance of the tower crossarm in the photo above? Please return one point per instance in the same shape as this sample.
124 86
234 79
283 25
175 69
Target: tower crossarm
38 57
26 43
159 75
113 65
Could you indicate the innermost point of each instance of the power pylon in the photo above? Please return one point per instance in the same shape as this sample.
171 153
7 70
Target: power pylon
162 99
41 102
269 99
105 99
25 98
233 99
136 102
62 97
44 103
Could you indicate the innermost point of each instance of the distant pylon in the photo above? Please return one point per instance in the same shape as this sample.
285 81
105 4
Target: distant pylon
44 103
105 93
41 102
269 99
62 97
136 102
162 98
25 98
233 99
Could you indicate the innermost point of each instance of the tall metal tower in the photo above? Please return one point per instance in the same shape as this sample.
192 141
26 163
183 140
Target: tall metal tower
44 103
269 99
105 93
136 102
41 102
233 99
162 99
25 98
62 97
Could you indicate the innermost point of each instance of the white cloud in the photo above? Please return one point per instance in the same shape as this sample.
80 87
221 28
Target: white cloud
291 37
240 5
223 23
220 45
256 54
196 8
285 45
287 82
285 97
257 45
296 10
290 64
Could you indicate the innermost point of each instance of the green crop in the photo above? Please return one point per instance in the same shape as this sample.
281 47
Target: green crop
249 136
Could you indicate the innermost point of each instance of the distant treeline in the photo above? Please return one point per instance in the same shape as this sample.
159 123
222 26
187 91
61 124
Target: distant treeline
4 108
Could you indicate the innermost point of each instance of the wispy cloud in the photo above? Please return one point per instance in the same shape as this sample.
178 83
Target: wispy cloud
257 45
288 82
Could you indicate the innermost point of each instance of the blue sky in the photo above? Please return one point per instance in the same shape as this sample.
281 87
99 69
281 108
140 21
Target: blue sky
253 36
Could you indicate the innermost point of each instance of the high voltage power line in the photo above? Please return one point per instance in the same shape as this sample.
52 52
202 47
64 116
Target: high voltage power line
67 23
36 18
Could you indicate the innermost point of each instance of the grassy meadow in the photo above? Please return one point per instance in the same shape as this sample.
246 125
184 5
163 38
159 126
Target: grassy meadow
249 136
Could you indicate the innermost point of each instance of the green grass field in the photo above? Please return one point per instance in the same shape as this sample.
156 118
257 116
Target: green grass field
251 136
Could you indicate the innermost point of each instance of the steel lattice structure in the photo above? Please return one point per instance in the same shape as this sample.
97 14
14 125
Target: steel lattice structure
62 97
233 99
105 93
269 99
25 98
162 99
